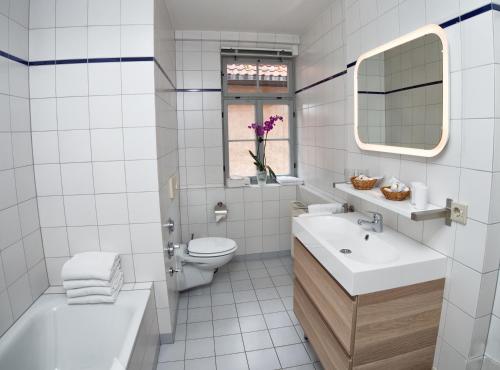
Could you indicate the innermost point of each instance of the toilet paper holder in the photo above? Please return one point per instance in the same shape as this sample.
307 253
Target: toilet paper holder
220 211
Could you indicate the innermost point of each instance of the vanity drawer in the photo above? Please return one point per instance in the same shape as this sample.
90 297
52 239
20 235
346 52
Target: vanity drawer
336 307
325 344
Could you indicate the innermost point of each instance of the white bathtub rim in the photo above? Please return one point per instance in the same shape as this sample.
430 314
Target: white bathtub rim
47 301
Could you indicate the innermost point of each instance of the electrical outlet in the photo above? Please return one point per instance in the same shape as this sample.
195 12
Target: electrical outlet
459 213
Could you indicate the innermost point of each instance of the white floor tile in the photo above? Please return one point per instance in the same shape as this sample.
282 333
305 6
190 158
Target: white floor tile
248 309
172 352
201 363
220 299
198 330
228 344
237 361
224 312
198 348
277 320
271 305
226 327
177 365
257 340
293 355
245 296
263 360
252 323
199 314
284 336
266 293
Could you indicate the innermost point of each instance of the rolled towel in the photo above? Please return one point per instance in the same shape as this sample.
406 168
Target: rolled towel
327 207
97 290
289 180
96 298
91 265
86 283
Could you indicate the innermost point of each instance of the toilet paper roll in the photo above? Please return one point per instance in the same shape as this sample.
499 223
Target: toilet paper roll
419 194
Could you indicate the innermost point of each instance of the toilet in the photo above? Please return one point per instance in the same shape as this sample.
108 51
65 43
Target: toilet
200 259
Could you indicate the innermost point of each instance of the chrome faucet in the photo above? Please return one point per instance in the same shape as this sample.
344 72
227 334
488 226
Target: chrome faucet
377 222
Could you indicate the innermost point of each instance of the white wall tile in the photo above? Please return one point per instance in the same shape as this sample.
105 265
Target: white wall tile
112 209
146 238
45 147
139 143
55 241
77 178
143 207
109 177
105 79
141 176
104 41
71 43
42 44
149 267
137 41
42 13
48 179
138 110
43 114
115 238
71 80
83 239
74 146
137 78
135 12
51 210
73 113
103 12
71 13
107 144
80 210
105 111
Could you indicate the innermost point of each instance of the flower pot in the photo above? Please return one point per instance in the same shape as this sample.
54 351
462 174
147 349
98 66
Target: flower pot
261 177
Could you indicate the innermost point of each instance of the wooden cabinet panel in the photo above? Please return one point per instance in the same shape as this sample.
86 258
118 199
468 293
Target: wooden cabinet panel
333 303
397 322
325 344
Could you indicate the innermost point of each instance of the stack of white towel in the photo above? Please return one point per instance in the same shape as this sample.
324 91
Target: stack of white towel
92 277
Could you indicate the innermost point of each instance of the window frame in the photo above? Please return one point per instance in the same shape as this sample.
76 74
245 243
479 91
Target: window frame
259 99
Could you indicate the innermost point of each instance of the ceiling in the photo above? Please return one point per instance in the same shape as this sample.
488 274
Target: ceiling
267 16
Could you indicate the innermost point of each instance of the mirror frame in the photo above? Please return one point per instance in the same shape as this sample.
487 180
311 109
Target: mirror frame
428 29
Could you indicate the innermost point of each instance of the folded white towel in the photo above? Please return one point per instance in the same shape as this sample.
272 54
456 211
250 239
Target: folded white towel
96 298
91 265
117 365
97 290
86 283
327 207
289 180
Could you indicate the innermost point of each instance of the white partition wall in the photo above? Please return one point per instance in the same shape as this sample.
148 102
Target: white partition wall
23 276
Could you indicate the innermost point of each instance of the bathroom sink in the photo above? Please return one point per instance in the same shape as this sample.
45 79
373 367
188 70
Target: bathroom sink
363 261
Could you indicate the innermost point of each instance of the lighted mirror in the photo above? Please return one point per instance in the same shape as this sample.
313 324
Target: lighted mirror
401 95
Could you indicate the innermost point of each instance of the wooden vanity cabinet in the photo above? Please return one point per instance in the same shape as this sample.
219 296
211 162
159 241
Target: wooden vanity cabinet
392 329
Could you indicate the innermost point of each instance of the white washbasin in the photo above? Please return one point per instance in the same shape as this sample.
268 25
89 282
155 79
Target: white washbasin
373 261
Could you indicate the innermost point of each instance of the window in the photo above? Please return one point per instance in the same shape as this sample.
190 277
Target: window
254 90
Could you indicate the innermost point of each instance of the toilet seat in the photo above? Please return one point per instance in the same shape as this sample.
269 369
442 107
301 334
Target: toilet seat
211 247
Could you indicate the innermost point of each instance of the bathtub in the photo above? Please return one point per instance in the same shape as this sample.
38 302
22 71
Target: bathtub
52 335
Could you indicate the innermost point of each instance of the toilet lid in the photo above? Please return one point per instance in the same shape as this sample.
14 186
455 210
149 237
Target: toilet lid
210 246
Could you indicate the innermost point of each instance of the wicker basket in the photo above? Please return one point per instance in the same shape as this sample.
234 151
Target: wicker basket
394 195
363 184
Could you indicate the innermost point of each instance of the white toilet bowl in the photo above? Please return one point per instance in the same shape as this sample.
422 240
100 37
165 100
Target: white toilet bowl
200 258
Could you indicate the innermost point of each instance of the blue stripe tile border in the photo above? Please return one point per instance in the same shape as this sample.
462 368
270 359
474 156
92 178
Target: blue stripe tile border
322 81
448 23
401 89
13 58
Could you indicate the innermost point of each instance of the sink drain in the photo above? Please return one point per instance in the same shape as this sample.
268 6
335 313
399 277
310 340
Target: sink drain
345 251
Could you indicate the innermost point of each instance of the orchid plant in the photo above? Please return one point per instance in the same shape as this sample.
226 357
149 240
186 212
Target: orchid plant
261 131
